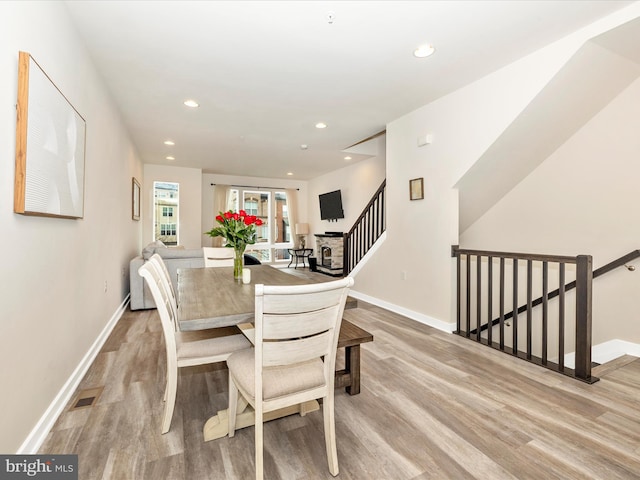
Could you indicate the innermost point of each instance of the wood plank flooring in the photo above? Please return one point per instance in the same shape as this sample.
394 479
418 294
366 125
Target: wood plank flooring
433 406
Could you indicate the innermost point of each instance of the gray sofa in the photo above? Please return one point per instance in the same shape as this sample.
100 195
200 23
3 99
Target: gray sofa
174 258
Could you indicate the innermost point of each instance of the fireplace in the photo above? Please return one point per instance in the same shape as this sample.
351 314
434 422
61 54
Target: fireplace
325 256
330 248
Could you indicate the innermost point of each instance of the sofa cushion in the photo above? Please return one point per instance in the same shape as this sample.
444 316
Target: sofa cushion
150 249
180 253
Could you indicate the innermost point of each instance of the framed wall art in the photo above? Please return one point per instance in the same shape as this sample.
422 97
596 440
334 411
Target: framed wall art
50 147
416 189
135 200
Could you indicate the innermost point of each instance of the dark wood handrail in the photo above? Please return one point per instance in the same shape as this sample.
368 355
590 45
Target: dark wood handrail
455 251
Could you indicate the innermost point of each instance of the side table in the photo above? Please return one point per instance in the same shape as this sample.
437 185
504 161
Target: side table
298 254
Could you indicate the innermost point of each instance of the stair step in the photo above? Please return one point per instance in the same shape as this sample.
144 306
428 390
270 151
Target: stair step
614 364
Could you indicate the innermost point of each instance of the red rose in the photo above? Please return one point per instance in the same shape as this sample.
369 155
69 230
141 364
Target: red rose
258 222
248 220
236 216
227 215
243 213
219 218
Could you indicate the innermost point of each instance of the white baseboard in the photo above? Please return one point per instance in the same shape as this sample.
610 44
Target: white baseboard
419 317
607 351
38 435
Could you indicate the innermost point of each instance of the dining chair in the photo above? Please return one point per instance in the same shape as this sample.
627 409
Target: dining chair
296 335
218 256
185 349
166 278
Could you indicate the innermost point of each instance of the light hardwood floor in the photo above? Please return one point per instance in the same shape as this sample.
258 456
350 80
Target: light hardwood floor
433 406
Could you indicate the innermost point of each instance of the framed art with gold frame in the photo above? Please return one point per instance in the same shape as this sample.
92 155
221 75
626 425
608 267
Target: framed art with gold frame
416 189
135 200
50 147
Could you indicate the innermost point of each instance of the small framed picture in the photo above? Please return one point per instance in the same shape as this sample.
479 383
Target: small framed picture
416 189
135 200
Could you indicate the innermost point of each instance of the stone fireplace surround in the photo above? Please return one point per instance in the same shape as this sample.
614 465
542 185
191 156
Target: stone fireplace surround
332 263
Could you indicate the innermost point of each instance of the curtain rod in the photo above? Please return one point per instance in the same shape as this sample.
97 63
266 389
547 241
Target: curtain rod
252 186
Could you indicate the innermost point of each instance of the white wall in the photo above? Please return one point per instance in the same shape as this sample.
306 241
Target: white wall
54 303
582 200
189 198
357 183
413 270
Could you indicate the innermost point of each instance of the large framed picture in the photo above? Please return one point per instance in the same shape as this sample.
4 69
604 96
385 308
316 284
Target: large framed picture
416 189
135 200
50 147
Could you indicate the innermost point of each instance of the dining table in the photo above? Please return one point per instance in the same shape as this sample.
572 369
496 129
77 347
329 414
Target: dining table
212 298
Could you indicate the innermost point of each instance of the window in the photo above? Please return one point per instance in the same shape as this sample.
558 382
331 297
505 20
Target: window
168 229
274 236
165 212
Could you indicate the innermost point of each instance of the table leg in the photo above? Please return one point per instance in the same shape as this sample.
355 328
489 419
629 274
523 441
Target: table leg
352 366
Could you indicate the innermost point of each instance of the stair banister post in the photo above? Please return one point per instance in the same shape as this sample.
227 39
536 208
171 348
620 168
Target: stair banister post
346 268
584 280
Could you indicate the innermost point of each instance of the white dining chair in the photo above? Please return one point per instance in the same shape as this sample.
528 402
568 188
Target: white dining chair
185 349
166 279
218 256
296 335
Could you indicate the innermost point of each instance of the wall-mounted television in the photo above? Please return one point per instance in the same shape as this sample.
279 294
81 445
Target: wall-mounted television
331 206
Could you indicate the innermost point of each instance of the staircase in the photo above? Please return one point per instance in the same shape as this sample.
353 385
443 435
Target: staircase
366 230
491 283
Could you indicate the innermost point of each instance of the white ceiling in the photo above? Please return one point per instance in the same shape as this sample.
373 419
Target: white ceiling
266 72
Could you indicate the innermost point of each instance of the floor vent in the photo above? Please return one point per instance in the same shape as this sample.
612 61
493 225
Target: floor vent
86 398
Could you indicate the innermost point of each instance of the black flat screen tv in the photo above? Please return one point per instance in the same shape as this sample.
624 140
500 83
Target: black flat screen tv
331 206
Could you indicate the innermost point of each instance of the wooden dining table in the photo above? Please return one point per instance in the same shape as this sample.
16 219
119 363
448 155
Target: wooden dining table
212 298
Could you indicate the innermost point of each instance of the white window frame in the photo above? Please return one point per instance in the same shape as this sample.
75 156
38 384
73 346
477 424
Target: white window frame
269 245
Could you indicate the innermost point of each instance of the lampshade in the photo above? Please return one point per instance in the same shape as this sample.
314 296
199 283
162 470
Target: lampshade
302 228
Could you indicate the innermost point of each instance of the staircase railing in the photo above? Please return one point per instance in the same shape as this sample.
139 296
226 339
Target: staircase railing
619 262
365 231
485 292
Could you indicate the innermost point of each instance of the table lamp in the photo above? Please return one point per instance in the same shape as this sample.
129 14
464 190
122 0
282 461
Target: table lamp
302 229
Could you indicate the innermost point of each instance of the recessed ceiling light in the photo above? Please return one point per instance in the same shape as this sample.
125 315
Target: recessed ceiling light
289 173
347 158
169 142
170 158
191 103
304 146
424 51
321 125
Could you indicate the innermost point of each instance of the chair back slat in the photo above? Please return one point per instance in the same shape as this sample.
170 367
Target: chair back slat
218 256
165 283
157 260
302 302
288 352
164 303
281 327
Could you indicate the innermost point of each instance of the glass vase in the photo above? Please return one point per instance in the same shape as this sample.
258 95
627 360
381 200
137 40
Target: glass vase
238 262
